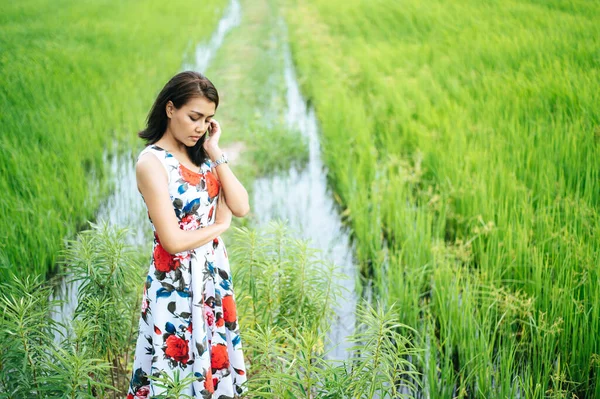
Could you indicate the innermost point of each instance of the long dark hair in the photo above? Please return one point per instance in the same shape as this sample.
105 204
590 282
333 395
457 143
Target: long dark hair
180 89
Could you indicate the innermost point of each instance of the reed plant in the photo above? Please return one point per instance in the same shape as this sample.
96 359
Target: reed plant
108 274
462 142
87 356
286 294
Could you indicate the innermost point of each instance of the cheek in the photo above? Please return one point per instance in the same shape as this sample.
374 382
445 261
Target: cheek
185 123
191 124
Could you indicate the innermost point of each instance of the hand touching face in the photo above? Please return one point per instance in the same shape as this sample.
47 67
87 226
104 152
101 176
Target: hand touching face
211 143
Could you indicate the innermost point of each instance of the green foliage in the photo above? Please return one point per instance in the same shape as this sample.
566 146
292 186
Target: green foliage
275 149
174 386
26 333
380 362
462 141
248 70
73 372
106 271
285 296
76 82
283 281
90 360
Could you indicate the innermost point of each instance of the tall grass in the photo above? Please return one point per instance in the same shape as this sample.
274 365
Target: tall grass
90 358
75 78
463 141
286 296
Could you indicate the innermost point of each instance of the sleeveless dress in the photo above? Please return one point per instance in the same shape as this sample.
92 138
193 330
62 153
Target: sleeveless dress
188 323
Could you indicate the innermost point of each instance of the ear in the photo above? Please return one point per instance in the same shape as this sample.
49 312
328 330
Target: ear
169 109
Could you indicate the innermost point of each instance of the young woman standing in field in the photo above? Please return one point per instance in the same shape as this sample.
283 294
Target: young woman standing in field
188 323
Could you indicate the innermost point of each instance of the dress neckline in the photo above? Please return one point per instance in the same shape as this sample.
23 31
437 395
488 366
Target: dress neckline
178 161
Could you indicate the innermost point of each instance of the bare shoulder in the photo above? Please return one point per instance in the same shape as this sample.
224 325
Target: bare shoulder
149 171
147 161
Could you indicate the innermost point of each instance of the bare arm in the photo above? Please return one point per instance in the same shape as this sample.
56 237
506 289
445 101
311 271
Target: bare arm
236 194
152 183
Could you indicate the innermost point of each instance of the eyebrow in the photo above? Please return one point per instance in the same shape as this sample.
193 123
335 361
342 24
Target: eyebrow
201 114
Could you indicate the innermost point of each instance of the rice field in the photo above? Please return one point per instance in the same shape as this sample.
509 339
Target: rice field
462 140
77 79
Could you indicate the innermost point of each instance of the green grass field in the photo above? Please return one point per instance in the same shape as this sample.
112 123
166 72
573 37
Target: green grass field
76 77
463 141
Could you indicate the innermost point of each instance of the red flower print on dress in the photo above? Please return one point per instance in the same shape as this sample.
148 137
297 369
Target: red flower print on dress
189 176
177 349
212 184
219 358
164 261
141 393
208 382
229 311
189 222
209 315
181 256
145 300
144 305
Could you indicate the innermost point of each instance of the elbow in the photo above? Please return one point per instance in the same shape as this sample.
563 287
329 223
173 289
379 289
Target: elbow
171 241
243 211
170 246
173 250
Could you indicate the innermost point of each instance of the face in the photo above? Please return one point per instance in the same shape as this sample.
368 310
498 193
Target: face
189 123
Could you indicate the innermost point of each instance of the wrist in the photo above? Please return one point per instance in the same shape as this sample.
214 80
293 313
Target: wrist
215 154
221 160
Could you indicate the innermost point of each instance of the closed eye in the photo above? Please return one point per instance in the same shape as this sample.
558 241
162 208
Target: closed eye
198 119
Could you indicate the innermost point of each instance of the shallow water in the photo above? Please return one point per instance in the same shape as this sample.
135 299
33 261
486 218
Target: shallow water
205 52
303 199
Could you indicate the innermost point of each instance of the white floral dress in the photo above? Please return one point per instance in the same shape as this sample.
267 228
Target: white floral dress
188 316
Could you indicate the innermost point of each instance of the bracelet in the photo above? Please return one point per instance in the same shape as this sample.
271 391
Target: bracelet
222 159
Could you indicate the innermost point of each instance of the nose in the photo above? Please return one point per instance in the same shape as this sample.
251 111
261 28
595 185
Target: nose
201 127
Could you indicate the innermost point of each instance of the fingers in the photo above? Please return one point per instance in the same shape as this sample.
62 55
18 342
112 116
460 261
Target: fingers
215 126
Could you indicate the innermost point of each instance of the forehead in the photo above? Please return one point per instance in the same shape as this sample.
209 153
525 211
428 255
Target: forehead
201 104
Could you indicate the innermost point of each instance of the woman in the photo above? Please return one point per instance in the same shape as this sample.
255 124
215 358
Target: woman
188 320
